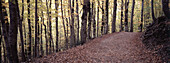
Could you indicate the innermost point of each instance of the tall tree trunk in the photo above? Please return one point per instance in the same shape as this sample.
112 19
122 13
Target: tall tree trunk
42 20
65 35
50 28
72 37
36 33
121 20
46 38
114 17
56 7
86 8
126 15
78 21
94 19
0 38
89 23
103 19
141 24
107 16
49 25
21 32
153 14
30 34
47 30
98 18
12 38
132 14
165 8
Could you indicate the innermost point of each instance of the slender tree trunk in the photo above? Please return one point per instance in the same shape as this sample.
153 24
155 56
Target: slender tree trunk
72 37
165 8
86 8
46 39
36 33
48 32
89 23
12 38
121 20
67 30
30 34
78 21
107 16
56 7
98 18
103 19
50 28
141 24
21 32
42 20
66 39
132 14
126 15
114 17
94 20
153 14
0 38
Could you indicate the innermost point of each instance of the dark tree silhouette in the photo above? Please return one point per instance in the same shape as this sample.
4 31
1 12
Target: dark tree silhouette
165 8
132 14
114 17
13 29
86 8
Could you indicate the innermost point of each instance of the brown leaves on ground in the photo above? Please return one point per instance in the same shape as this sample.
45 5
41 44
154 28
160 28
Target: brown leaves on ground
123 47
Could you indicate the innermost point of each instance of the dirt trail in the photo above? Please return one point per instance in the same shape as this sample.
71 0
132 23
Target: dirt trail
123 47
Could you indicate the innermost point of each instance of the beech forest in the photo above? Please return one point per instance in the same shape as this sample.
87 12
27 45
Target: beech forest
84 31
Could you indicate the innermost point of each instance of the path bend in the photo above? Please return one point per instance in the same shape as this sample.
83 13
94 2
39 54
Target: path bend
120 47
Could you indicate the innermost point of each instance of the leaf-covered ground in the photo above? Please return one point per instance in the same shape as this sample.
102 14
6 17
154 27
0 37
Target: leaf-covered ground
123 47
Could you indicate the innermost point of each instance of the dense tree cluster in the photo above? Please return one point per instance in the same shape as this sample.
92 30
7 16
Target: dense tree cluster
35 28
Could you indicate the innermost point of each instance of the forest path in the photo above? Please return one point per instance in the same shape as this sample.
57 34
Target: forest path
121 47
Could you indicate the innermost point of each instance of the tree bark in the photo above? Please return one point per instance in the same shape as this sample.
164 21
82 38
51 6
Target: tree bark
107 16
132 14
21 33
36 33
153 14
86 8
78 26
72 37
121 20
42 20
94 19
89 23
98 18
114 17
12 38
103 20
165 8
30 34
56 7
65 35
141 24
126 15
